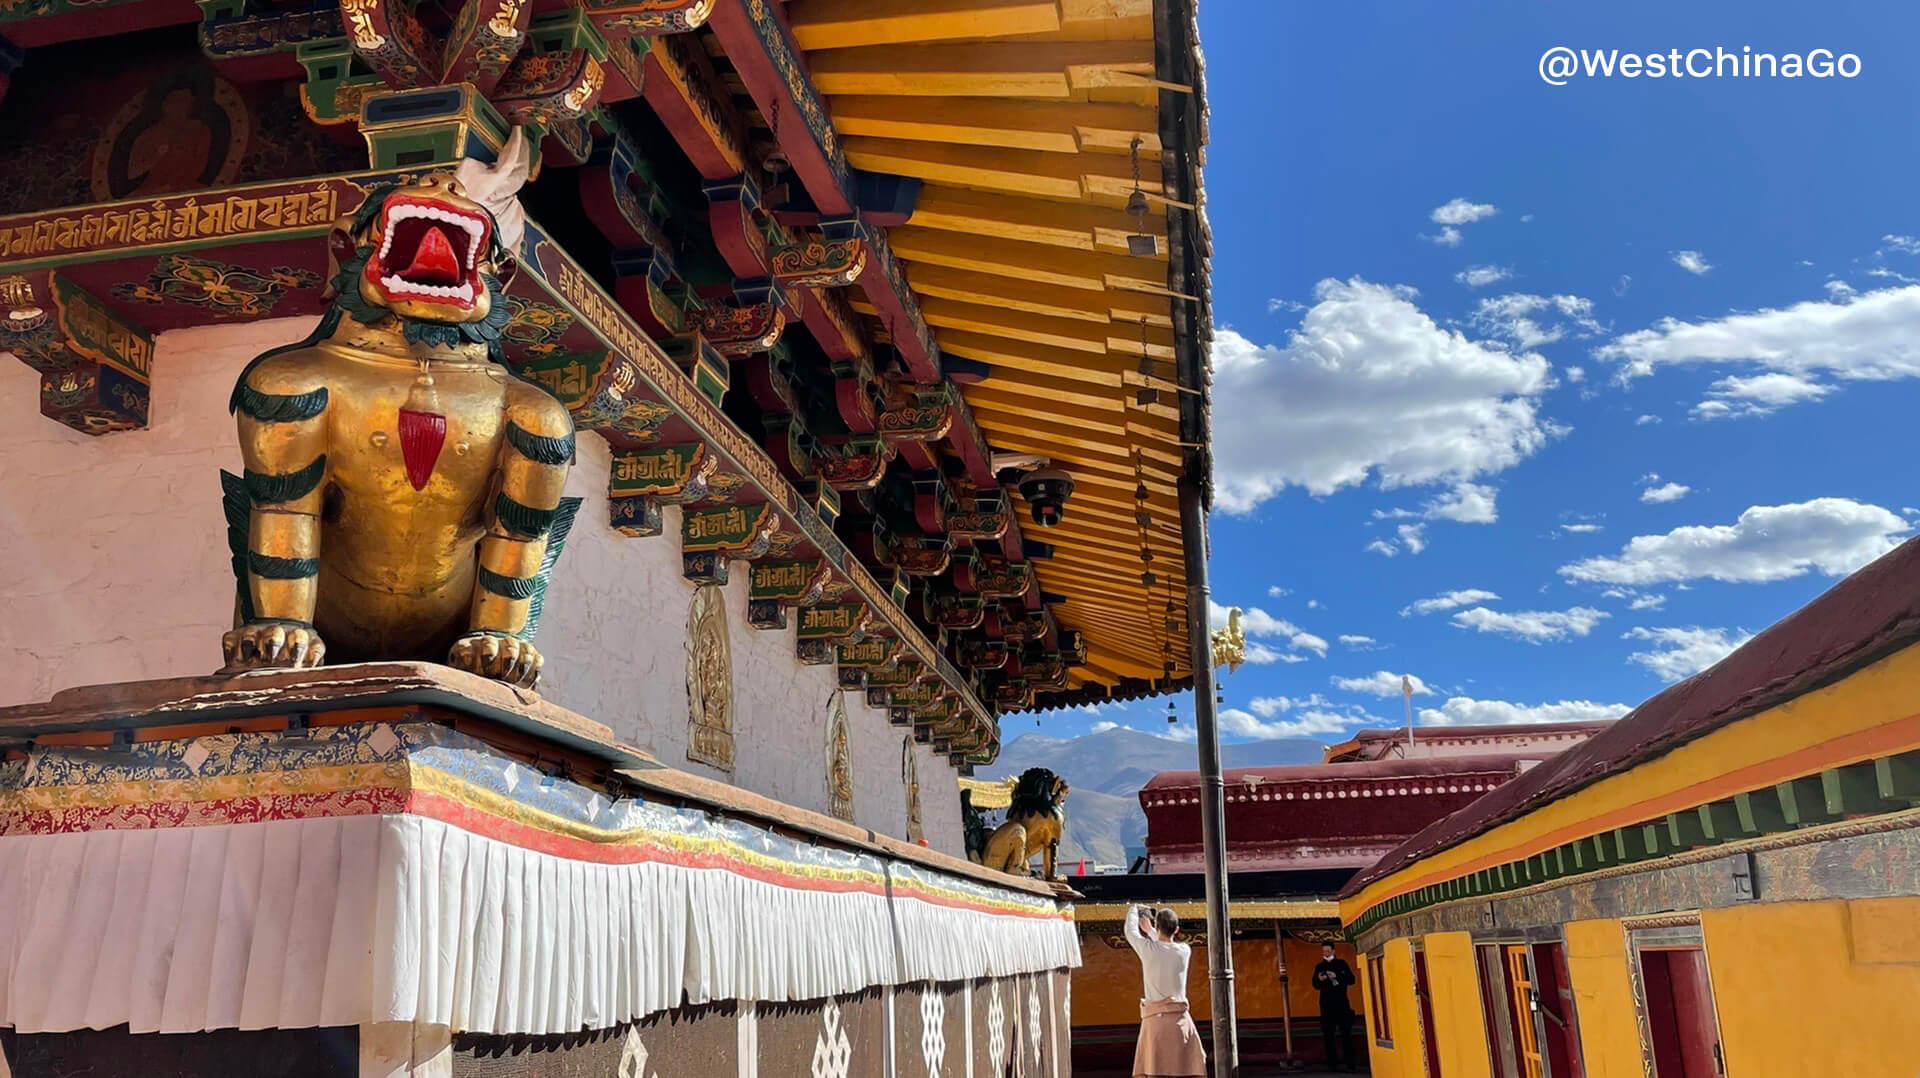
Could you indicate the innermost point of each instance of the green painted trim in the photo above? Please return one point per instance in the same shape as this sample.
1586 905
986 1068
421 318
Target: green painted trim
1868 788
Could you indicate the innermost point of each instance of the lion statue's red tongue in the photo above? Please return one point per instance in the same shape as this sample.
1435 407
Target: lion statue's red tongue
434 261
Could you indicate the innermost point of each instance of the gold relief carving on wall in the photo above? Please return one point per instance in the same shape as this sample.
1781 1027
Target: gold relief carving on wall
709 681
839 760
910 778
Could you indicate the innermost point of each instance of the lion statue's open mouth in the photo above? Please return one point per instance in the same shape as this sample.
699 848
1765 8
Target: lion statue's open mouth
429 246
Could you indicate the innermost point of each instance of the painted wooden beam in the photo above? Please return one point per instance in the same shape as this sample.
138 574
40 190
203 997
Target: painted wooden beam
839 24
1022 173
1081 228
984 69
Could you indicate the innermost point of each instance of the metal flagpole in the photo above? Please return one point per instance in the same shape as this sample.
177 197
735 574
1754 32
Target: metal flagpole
1213 813
1406 693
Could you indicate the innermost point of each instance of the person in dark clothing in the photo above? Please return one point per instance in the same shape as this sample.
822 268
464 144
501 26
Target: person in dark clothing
1331 977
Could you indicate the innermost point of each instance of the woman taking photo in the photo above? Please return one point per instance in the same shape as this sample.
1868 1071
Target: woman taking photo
1169 1044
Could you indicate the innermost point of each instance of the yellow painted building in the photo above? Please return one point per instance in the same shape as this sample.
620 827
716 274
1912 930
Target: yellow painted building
1726 882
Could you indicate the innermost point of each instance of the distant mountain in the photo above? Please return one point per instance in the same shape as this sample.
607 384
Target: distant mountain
1106 771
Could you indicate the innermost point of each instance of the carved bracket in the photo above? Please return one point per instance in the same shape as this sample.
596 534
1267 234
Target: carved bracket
818 262
95 367
709 538
777 585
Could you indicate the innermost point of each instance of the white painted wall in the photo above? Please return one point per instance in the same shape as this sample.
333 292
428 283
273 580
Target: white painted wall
115 568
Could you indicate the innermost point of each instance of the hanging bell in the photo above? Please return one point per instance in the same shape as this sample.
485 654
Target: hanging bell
1136 203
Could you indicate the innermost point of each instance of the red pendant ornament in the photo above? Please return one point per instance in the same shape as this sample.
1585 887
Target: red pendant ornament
423 430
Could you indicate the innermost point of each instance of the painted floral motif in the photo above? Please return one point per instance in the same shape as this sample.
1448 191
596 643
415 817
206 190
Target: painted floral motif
538 326
236 291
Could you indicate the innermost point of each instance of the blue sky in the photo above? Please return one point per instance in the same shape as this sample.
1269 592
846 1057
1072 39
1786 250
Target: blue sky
1610 374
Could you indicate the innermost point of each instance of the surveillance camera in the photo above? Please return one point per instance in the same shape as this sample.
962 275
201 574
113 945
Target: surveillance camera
1046 491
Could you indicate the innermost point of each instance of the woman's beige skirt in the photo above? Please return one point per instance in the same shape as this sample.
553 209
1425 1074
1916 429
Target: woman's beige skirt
1169 1044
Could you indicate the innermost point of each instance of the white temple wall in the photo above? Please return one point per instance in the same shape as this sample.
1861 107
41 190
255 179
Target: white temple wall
114 567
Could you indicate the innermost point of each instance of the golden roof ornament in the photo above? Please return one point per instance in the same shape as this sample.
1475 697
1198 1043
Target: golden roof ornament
1229 644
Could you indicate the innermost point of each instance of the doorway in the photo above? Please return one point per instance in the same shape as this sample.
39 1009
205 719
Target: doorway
1681 1021
1424 994
1520 1010
1553 996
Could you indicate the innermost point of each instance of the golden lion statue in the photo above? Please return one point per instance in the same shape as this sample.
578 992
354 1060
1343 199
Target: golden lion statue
402 493
1035 823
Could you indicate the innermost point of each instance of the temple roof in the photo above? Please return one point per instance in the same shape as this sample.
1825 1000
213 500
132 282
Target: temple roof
1020 119
1373 744
1360 772
1863 618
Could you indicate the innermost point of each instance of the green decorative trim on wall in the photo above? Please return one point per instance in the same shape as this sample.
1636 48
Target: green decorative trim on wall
1868 788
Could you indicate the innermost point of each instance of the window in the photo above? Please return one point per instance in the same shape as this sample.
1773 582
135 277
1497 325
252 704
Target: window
1377 999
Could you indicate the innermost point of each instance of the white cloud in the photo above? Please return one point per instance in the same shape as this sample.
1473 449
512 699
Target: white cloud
1762 394
1892 275
1313 604
1482 276
1647 602
1646 421
1526 218
1665 492
1839 291
1906 245
1529 321
1448 237
1466 711
1691 261
1261 655
1532 626
1769 542
1413 537
1103 726
1620 286
1680 653
1874 337
1580 529
1466 503
1449 601
1257 623
1275 306
1382 548
1576 375
1358 642
1369 387
1306 724
1381 683
1461 212
1275 591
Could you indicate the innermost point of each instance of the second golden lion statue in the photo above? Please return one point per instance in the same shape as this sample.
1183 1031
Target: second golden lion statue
1035 823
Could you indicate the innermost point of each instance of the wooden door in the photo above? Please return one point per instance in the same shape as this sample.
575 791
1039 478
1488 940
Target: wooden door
1423 991
1520 989
1680 1013
1559 1037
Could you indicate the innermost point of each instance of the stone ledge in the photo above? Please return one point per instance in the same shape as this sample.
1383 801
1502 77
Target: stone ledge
201 701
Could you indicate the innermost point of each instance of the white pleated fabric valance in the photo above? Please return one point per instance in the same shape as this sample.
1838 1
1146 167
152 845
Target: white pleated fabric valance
405 873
